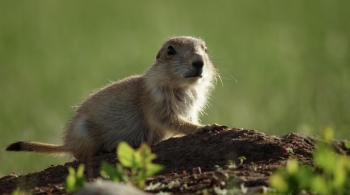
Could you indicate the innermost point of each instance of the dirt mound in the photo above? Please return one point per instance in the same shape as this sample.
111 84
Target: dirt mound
181 156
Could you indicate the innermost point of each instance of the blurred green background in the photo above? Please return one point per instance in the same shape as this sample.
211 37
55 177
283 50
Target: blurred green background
285 65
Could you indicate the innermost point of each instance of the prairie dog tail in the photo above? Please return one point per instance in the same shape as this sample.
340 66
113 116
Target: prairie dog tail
37 147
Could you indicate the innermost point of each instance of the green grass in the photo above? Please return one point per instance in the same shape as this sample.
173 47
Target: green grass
290 59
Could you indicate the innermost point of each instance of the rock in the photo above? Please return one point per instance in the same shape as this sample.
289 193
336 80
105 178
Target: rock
100 187
197 170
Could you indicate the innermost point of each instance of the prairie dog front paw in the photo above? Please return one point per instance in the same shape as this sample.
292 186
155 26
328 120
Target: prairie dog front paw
212 127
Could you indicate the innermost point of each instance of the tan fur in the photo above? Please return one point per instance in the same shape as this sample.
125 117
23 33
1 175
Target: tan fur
163 102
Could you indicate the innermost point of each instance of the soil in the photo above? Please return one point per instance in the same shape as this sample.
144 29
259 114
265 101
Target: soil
194 164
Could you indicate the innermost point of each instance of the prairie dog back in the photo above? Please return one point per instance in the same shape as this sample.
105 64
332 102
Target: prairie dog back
166 100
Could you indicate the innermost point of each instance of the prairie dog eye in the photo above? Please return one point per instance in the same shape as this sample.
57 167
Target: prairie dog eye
171 50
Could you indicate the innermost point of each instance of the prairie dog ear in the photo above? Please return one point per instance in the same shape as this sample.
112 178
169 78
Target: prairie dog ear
158 54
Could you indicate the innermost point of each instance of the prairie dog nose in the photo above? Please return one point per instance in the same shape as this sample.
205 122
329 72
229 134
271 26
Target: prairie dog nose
198 67
198 64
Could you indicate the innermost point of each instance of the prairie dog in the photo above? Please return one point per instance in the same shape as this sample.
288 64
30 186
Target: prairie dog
164 101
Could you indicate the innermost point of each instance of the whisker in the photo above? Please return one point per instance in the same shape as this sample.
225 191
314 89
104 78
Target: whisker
222 84
233 77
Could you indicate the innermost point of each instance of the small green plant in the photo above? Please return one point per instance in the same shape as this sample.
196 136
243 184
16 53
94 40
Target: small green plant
116 174
16 191
347 144
75 180
330 174
138 161
241 159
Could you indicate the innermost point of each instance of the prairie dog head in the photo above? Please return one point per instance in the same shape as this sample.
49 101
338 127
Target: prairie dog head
182 62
